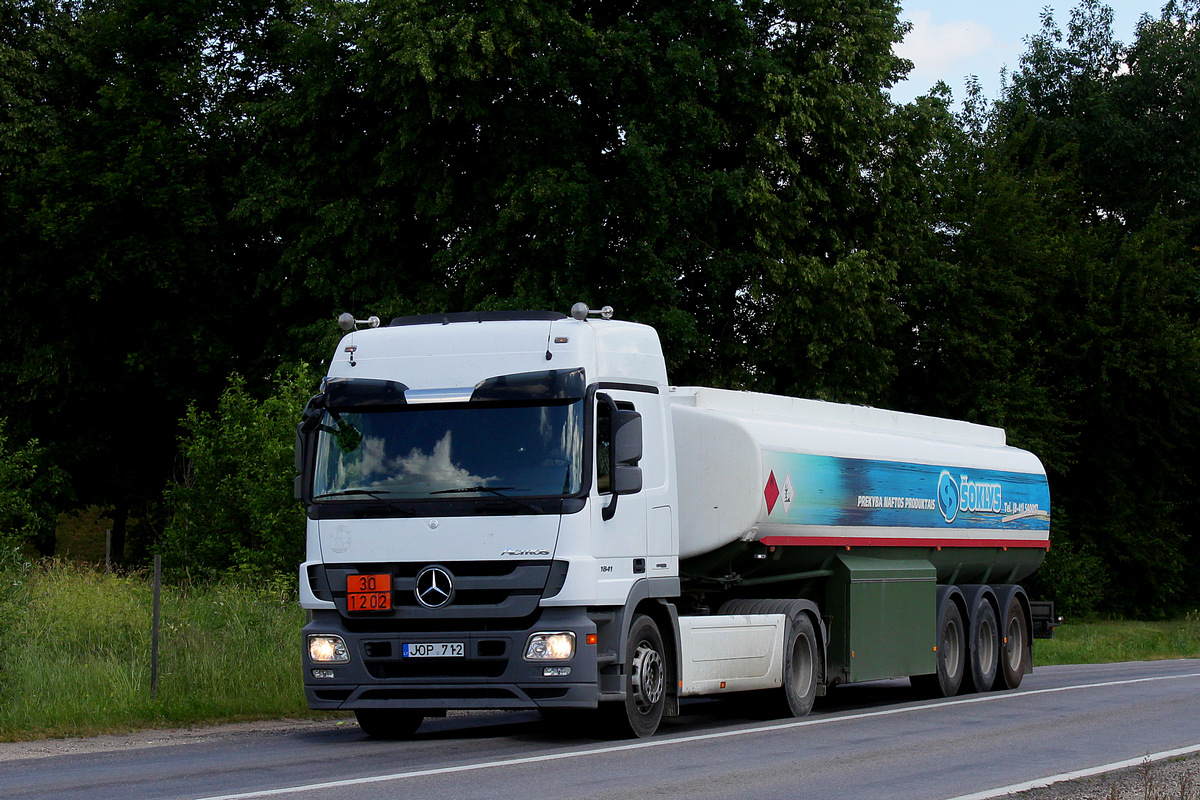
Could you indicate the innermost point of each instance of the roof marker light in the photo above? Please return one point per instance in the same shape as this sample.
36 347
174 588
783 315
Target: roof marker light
347 322
581 312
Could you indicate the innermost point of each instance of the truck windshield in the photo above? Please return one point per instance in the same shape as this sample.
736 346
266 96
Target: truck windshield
442 452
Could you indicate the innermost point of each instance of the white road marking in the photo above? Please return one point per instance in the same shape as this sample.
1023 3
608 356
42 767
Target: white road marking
987 794
702 737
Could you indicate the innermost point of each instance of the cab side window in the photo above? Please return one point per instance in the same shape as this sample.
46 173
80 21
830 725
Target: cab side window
604 448
604 410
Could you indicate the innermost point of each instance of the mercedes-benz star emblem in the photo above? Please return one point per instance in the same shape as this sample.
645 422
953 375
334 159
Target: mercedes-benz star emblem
434 587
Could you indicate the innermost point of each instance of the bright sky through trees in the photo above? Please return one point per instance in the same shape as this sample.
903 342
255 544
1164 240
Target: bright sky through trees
951 40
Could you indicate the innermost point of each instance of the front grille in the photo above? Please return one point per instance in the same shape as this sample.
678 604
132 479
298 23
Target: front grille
483 590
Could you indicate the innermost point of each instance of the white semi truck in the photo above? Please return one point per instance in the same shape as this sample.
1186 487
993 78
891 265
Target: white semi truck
515 510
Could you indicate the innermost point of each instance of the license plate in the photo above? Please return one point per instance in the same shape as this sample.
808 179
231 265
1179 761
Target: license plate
434 650
369 592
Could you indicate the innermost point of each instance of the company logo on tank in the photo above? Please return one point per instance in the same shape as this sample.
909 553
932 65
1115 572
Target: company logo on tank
967 495
833 490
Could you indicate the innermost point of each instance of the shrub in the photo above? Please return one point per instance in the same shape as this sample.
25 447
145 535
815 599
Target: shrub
30 485
232 510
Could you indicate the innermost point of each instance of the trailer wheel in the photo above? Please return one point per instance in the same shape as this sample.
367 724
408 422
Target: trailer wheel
388 723
985 648
645 679
951 654
800 666
1015 655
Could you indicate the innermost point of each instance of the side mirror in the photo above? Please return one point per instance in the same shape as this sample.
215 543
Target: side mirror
627 437
298 482
626 452
626 479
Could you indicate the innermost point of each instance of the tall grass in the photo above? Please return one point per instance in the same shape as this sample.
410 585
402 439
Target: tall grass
75 647
1103 642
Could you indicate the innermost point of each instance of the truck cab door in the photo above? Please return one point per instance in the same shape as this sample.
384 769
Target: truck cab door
619 504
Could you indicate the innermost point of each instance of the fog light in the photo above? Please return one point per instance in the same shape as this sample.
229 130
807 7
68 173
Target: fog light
327 649
555 672
550 646
322 673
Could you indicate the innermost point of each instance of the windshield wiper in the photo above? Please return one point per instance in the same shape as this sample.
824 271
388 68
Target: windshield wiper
491 490
345 492
371 493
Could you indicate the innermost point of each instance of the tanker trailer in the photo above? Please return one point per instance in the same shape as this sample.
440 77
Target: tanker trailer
906 534
515 510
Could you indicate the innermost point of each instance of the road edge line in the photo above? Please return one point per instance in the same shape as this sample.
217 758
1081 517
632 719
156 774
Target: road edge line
1041 783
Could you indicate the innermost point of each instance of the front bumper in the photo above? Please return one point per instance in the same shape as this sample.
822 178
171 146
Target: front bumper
492 674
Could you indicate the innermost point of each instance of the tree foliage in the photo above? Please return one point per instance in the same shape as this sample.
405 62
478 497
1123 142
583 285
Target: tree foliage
126 286
31 487
1062 301
232 508
715 169
194 189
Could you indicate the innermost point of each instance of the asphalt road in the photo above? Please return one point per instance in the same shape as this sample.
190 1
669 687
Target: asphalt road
863 742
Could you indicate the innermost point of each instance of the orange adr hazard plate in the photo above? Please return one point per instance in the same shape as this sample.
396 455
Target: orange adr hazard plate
368 592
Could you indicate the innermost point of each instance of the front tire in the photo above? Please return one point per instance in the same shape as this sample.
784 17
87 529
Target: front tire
389 723
645 679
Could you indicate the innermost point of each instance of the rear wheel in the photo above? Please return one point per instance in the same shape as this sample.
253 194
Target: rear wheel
951 654
800 666
802 661
1015 655
985 648
389 723
645 679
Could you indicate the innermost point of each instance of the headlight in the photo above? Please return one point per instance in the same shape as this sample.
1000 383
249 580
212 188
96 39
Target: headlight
327 649
550 646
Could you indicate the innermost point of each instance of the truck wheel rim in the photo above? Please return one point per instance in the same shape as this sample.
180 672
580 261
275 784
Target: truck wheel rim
952 650
802 665
648 675
986 644
1015 644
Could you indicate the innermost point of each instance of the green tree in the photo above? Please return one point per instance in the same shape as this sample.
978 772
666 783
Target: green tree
127 292
721 170
1060 301
232 508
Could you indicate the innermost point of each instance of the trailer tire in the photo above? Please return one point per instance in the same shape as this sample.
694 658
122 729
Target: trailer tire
984 654
951 654
389 723
645 680
1015 654
801 667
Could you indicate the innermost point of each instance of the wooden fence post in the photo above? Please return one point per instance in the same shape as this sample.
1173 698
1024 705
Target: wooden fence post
154 628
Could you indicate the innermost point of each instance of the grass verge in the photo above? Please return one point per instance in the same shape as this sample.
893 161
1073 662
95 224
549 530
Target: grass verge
75 650
1103 642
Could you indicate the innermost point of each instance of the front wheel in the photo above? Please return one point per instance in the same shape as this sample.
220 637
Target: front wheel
645 679
389 723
